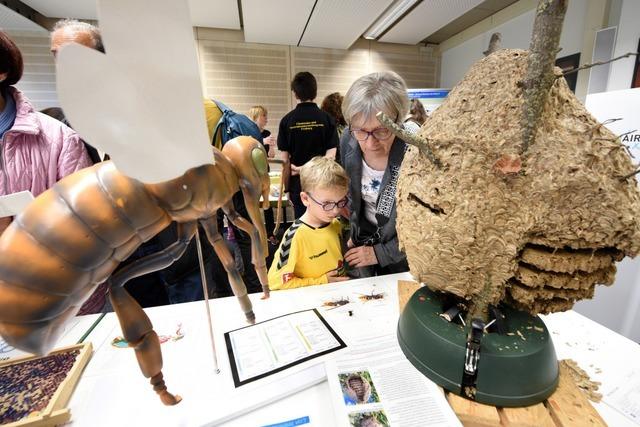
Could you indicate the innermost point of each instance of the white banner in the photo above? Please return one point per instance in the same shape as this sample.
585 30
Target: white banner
620 104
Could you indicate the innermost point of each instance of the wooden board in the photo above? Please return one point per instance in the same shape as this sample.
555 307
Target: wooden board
56 412
568 406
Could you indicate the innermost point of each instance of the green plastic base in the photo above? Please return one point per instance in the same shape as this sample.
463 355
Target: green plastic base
517 369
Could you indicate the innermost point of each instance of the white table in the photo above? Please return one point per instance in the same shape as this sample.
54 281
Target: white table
113 391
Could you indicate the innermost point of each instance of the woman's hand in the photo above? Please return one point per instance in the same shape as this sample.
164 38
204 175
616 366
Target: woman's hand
332 276
270 143
269 140
361 256
295 170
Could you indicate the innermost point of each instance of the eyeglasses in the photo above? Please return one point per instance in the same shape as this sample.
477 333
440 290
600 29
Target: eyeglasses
378 133
329 206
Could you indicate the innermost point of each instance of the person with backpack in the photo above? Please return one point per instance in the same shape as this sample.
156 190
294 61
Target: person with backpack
230 125
304 133
258 114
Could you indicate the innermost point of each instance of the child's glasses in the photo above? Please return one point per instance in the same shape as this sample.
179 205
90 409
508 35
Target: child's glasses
329 206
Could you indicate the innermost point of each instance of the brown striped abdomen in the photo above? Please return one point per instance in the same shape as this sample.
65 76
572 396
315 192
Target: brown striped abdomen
67 241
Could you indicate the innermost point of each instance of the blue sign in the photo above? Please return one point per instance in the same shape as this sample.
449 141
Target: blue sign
428 93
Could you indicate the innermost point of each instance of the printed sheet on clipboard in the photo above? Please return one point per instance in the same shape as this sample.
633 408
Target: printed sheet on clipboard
265 348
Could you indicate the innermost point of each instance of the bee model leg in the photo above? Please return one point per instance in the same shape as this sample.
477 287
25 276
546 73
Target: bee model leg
210 226
136 326
257 232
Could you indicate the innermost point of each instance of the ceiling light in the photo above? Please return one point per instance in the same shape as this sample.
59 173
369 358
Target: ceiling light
392 14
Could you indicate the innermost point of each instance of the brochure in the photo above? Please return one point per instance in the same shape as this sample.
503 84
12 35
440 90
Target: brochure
373 384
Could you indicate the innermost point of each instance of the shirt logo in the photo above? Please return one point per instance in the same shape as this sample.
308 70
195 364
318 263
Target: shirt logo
318 255
307 125
286 277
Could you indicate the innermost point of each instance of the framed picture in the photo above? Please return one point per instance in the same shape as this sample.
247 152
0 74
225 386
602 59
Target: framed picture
635 82
568 63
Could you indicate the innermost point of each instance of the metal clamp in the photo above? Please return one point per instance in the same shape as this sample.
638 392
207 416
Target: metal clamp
472 356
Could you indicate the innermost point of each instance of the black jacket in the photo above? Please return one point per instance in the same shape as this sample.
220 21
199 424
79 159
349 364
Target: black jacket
188 262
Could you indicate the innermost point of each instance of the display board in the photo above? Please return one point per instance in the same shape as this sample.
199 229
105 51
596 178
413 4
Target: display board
430 98
619 111
618 306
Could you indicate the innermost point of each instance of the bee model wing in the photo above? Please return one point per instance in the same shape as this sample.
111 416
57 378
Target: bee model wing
141 102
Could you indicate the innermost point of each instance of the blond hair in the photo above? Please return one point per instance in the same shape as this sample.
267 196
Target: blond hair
322 172
257 111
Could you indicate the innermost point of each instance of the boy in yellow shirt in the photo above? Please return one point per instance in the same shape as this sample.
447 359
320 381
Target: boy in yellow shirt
310 252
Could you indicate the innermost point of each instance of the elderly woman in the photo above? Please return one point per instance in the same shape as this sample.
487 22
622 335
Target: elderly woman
37 150
372 155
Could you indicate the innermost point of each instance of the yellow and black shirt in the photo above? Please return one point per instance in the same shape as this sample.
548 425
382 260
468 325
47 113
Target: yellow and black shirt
305 255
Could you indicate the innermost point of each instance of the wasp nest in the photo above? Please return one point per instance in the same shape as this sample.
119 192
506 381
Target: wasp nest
358 388
538 229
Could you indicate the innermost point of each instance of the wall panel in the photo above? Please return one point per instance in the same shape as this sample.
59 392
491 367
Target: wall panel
38 80
245 74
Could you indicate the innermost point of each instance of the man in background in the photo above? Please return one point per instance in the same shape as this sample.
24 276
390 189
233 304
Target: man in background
72 31
304 133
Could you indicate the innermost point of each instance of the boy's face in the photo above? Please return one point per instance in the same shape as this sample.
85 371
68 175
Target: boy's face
316 199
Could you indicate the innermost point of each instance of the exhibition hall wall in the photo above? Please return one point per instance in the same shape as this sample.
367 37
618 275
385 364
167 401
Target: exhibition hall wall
583 19
515 23
245 74
627 40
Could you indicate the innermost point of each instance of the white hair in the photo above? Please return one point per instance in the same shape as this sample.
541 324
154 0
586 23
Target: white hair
384 91
81 27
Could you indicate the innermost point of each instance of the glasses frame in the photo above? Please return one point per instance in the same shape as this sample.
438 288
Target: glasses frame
329 206
372 133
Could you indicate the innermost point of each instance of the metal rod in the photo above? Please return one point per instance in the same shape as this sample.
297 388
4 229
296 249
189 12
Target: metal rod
205 289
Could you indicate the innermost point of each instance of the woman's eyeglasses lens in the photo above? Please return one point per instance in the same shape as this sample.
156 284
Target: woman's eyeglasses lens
378 133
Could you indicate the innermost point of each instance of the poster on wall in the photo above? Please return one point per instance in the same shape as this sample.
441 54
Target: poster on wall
430 98
623 106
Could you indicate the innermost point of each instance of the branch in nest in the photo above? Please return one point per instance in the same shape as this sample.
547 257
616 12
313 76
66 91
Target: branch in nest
627 133
494 44
585 66
409 138
599 125
616 138
606 140
542 55
609 121
635 172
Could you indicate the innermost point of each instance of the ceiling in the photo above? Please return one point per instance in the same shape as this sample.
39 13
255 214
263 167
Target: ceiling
13 21
315 23
204 13
426 18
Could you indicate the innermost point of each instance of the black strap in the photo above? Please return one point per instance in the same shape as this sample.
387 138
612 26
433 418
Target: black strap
223 108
